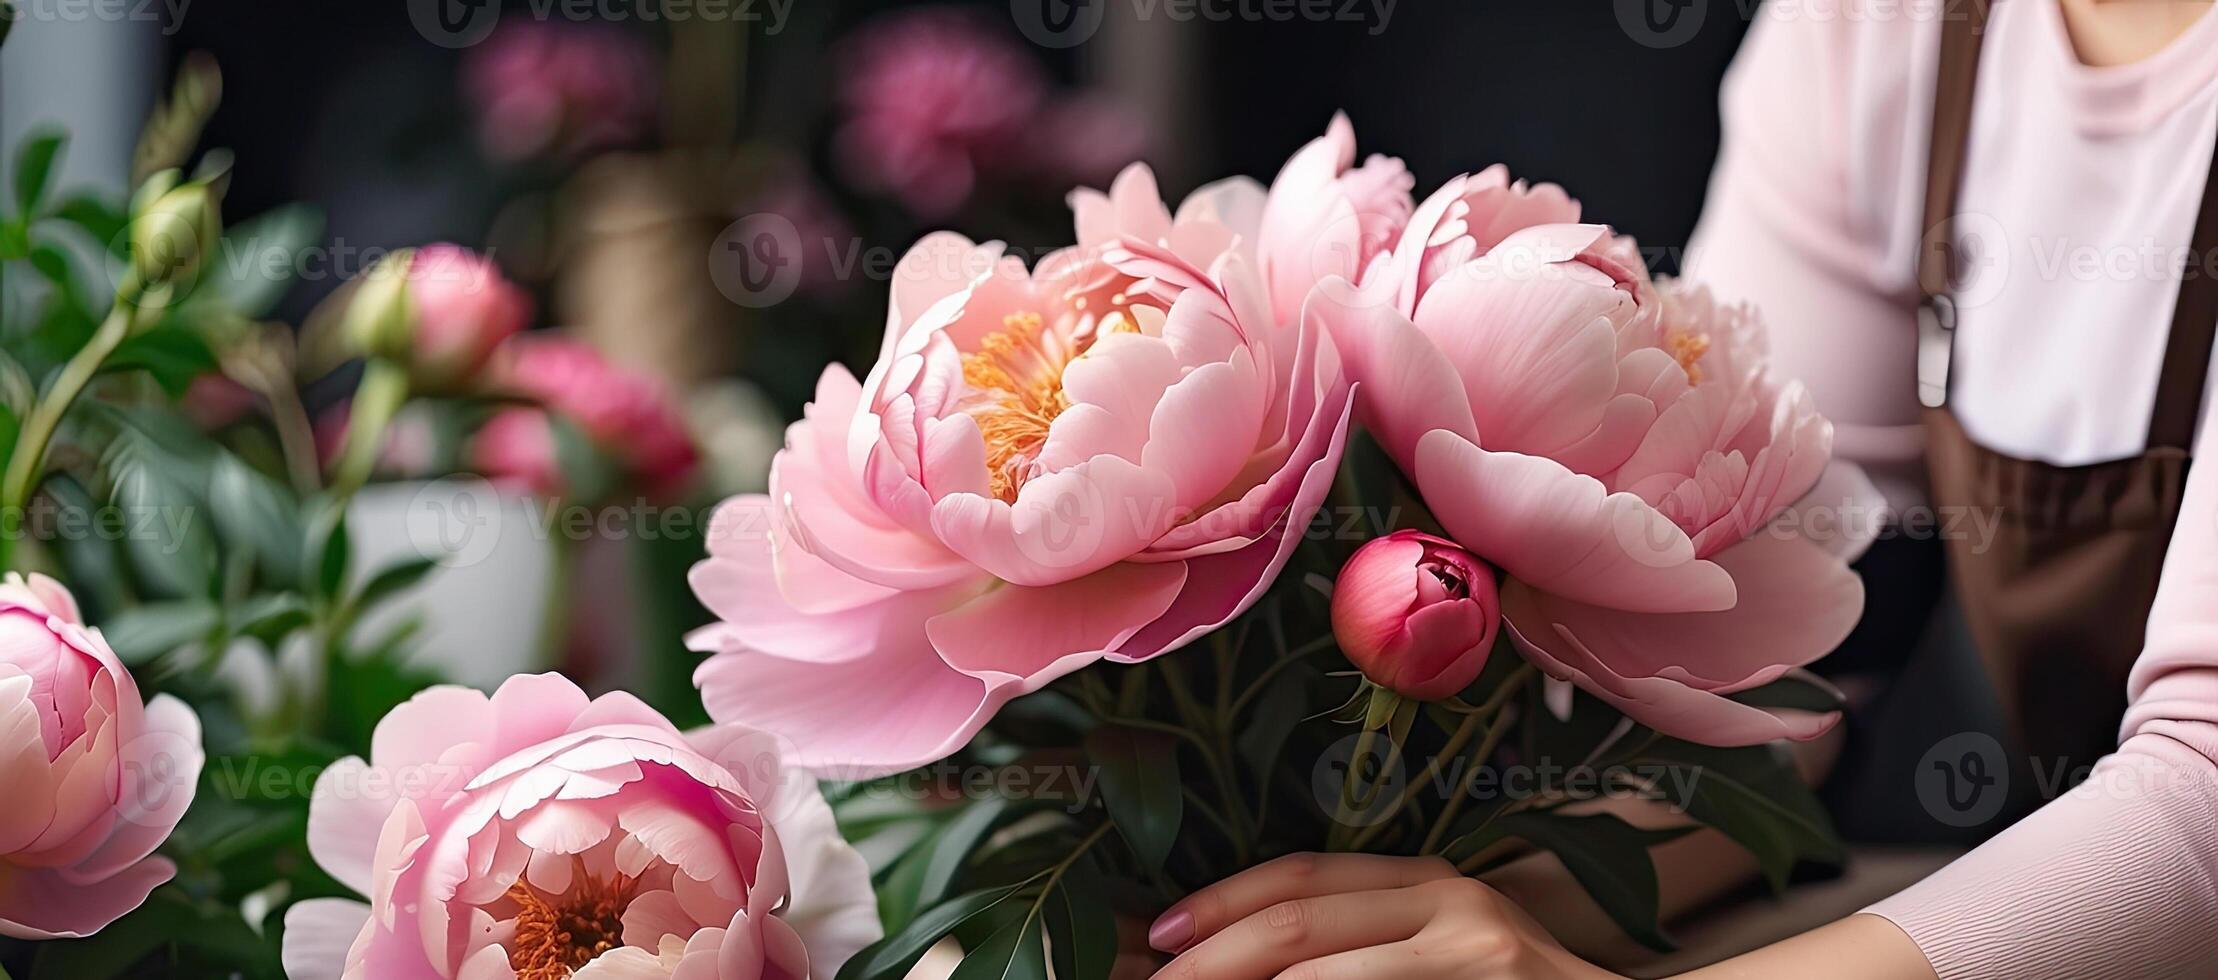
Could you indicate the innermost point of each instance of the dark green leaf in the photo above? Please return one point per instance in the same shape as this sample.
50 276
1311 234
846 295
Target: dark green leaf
269 617
1755 797
141 633
1013 952
392 580
1139 782
1609 857
890 958
169 544
255 513
1081 929
101 221
34 165
327 538
259 259
952 848
173 355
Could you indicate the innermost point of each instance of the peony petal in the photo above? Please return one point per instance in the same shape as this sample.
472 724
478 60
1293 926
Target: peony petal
1063 525
1032 635
48 903
915 710
1408 388
1561 532
319 932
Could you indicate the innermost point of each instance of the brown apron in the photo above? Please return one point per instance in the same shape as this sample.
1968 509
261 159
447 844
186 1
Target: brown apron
2058 601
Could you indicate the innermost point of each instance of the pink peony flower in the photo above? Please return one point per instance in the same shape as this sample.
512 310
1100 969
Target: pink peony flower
1102 458
464 308
1611 452
932 99
1329 217
1416 614
213 401
630 416
96 779
538 834
542 88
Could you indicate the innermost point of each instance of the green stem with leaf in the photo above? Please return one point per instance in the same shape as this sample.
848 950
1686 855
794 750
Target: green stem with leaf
377 400
29 458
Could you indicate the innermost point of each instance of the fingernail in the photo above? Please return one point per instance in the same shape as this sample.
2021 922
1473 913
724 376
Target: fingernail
1172 932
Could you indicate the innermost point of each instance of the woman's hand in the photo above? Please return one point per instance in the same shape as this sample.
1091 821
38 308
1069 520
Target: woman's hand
1357 917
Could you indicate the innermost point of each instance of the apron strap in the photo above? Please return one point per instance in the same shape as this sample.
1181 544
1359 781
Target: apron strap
2179 391
1963 27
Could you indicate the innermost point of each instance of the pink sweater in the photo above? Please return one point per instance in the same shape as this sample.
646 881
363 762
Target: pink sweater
2082 184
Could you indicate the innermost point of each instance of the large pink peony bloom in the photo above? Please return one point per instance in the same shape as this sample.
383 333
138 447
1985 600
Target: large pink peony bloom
1328 217
1615 452
543 88
95 778
536 834
1102 458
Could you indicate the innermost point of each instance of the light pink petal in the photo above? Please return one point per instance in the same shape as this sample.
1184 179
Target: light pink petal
1407 387
1031 635
318 934
914 710
1562 532
161 774
1670 672
743 530
1064 525
1205 427
49 903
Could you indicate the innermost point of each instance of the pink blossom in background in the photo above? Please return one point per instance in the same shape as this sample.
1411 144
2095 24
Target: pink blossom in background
1103 457
463 309
516 450
634 418
1416 613
1613 450
542 88
213 401
536 833
932 100
95 777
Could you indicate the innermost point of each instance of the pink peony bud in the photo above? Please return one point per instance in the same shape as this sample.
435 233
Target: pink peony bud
1417 614
441 309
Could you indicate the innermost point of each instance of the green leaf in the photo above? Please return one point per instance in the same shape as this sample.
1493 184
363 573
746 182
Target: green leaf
34 166
269 617
100 220
1754 796
255 513
951 849
1139 783
259 259
1609 857
1013 952
1081 929
328 544
892 957
169 546
173 355
142 633
392 580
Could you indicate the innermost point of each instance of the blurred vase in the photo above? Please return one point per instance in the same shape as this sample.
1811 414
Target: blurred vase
482 612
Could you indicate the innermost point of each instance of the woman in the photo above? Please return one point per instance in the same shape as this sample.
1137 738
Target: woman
1988 240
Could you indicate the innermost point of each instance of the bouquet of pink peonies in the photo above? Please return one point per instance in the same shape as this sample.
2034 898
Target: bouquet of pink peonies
1293 519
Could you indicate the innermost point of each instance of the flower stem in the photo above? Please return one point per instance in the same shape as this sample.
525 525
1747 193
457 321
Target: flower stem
384 388
1495 707
29 457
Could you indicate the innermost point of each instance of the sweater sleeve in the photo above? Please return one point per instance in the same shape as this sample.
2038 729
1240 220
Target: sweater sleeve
1823 154
2117 878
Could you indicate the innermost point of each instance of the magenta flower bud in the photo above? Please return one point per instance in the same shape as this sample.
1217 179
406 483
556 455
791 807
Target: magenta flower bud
1417 614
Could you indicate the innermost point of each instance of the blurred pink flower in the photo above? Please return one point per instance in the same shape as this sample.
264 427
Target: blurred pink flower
95 778
463 308
1613 451
631 417
934 99
1417 614
213 401
1102 457
535 833
516 450
544 88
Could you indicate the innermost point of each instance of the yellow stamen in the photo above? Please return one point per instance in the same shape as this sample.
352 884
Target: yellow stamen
1687 348
1023 382
555 939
